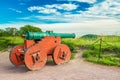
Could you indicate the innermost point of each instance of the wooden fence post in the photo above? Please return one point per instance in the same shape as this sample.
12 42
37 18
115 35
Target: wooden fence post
100 49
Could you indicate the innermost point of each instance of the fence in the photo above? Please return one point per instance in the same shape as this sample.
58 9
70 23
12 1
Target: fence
102 41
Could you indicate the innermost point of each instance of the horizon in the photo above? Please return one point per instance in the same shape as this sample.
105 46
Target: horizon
71 16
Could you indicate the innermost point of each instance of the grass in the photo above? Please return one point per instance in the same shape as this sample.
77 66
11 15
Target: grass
9 41
3 44
72 56
110 54
106 59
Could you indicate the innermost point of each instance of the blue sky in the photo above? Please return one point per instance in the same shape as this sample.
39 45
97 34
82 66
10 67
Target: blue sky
35 10
49 12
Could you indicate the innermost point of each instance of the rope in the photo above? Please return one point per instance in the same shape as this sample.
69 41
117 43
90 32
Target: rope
101 41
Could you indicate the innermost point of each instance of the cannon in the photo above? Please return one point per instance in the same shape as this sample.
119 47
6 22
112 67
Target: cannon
39 47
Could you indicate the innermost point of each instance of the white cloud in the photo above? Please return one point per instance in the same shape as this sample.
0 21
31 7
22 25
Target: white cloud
106 9
43 10
32 8
87 1
48 11
18 11
53 9
67 7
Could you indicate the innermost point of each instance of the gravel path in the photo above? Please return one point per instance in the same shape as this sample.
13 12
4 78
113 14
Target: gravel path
76 69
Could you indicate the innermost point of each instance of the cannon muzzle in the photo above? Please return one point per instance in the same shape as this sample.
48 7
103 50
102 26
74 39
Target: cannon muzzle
40 35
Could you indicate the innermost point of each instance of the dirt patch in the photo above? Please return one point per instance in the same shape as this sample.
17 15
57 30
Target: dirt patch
76 69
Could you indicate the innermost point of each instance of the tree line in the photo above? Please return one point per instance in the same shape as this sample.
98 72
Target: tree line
18 32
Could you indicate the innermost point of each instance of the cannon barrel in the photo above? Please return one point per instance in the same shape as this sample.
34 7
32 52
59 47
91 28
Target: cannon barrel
40 35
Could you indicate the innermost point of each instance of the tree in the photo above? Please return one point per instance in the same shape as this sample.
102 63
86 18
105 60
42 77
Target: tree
1 32
90 36
30 28
10 31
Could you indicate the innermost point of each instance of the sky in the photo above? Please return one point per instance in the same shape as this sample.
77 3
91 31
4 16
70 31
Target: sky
71 16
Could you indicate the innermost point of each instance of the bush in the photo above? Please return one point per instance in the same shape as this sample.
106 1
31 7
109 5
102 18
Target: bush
90 53
4 44
118 55
90 36
6 41
70 44
86 54
105 59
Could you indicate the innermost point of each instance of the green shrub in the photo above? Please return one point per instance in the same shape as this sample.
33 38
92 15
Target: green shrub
110 59
86 54
90 36
90 53
6 41
70 44
4 44
118 55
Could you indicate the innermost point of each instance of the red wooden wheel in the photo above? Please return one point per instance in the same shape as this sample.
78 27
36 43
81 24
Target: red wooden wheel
61 54
35 58
16 55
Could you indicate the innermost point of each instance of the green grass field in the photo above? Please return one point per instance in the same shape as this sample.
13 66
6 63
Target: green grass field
110 54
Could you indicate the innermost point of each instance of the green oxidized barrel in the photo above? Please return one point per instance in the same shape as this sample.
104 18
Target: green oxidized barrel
40 35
